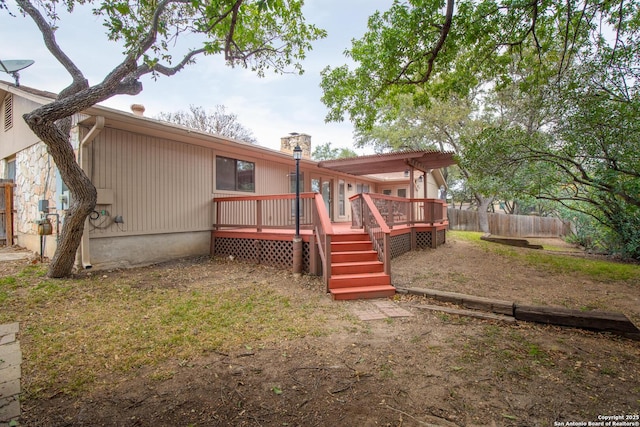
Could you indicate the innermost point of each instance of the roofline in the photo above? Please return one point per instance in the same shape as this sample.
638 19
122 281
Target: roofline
35 95
392 155
128 121
124 120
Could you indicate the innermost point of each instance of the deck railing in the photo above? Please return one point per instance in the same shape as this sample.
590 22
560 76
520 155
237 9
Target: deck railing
379 233
376 213
323 231
277 211
401 211
263 212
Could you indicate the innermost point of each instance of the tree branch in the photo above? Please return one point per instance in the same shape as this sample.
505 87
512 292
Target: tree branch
432 54
79 81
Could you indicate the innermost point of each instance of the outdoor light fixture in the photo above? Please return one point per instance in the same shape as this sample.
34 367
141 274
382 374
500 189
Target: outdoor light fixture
297 153
297 241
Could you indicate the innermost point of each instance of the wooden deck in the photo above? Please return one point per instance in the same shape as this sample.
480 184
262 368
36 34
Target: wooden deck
354 258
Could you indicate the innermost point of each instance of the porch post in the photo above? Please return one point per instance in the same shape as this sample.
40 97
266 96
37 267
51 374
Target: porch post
297 240
424 185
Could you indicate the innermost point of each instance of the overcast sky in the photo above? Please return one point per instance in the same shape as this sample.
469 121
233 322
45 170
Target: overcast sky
271 107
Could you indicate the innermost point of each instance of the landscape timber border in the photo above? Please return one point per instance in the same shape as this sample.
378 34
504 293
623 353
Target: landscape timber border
600 321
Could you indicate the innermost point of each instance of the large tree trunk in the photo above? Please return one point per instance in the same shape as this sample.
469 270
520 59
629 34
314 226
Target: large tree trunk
83 192
483 214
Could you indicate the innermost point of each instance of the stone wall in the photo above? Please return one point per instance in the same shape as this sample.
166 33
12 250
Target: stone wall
35 180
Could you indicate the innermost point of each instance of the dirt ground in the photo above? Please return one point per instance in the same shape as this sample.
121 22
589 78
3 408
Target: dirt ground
430 369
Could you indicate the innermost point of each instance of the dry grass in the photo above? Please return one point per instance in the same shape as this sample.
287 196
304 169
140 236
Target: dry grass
77 332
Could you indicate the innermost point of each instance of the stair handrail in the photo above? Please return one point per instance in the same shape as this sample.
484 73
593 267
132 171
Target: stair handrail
378 230
323 230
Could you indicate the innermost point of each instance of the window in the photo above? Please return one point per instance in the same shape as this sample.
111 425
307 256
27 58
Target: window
386 192
362 188
11 169
8 112
402 192
341 198
315 185
235 175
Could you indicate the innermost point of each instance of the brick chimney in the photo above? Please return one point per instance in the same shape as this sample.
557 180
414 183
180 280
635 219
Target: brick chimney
289 142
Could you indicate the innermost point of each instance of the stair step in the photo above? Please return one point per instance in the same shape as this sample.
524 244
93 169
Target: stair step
357 280
349 237
351 246
354 256
363 292
359 267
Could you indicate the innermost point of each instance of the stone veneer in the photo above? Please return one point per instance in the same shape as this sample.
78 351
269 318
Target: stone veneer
35 180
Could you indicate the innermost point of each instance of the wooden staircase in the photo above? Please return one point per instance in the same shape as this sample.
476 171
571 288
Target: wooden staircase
356 272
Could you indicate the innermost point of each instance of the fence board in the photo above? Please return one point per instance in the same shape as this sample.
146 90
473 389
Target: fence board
508 225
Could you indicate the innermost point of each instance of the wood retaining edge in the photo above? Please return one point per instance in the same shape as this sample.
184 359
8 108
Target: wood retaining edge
467 301
604 321
510 241
469 313
600 321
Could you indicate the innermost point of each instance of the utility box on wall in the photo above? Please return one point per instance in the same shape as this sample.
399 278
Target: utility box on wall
105 196
43 205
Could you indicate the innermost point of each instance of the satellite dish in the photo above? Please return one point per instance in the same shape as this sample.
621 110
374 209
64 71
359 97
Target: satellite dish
12 66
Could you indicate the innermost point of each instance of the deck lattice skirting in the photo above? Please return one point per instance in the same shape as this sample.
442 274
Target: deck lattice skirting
276 253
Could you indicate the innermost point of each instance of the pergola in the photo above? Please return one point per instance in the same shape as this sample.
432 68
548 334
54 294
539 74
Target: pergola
422 160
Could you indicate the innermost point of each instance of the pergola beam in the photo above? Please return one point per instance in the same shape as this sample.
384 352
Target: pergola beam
391 162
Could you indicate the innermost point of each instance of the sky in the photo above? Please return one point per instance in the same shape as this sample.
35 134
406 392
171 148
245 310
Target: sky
271 107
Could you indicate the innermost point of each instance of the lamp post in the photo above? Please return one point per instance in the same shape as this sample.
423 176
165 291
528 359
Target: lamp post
297 241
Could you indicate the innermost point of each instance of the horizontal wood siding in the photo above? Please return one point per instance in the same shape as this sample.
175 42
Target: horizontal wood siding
158 185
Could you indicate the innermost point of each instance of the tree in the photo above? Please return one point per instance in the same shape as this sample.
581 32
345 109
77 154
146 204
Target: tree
217 121
325 152
532 51
446 125
431 50
255 34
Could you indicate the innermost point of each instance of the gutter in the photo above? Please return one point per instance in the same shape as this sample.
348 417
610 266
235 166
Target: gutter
85 253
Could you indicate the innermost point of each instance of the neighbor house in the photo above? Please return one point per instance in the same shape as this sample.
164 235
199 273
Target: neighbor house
166 191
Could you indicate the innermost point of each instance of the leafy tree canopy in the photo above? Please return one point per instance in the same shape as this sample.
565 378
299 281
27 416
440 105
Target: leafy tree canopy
325 152
432 49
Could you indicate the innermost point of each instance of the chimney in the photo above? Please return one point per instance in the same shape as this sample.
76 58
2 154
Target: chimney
137 109
289 142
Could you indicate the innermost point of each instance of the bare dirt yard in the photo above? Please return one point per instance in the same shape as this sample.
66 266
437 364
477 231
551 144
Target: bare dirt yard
428 369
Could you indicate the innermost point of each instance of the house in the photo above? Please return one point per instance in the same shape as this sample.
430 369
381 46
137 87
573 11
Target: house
157 182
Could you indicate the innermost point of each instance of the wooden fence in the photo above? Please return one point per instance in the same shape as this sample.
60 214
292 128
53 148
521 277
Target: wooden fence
509 225
6 212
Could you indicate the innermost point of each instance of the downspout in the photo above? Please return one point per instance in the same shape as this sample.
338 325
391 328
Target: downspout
85 253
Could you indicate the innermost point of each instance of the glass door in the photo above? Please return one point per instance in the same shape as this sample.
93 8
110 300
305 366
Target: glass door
326 195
